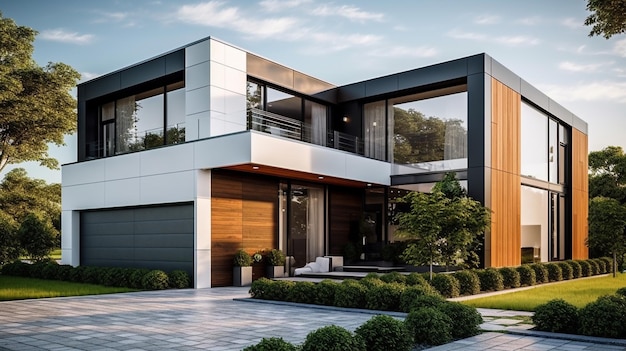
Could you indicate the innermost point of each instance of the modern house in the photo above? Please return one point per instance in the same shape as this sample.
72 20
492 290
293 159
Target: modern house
189 156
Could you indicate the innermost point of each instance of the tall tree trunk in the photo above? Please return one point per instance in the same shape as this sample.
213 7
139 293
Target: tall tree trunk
614 263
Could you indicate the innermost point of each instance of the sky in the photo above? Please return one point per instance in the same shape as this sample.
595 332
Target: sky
544 42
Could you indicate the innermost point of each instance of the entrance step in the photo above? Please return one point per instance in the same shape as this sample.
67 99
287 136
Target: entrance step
374 269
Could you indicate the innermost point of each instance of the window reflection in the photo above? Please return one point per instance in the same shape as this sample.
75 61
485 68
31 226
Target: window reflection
534 143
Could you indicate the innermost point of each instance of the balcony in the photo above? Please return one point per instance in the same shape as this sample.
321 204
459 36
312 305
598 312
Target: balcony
285 127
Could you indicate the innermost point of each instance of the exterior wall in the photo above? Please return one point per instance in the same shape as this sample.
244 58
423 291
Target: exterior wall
580 195
502 242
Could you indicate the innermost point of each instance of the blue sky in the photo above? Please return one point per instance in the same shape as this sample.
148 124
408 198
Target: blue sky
545 42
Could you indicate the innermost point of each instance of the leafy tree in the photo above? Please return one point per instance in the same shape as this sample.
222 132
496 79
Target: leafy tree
607 173
608 17
9 247
36 107
607 221
37 236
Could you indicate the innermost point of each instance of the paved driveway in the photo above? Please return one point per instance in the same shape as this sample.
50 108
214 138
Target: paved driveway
206 319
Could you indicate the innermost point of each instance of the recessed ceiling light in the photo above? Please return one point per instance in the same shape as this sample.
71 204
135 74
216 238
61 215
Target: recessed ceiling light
369 184
255 167
320 177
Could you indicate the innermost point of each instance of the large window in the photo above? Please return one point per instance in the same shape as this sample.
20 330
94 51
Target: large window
543 225
143 121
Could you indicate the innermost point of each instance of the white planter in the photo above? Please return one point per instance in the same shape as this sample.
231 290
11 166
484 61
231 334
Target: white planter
275 271
242 276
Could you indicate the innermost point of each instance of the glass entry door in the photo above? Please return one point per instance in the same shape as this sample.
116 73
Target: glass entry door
302 222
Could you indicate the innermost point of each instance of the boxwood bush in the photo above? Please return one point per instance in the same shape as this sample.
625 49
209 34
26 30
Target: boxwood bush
608 262
465 319
302 292
585 268
332 338
554 272
385 297
384 333
325 292
566 270
510 277
155 280
416 279
429 326
576 269
490 279
260 288
541 273
393 277
595 269
601 265
179 279
469 284
556 316
605 317
272 344
350 294
419 296
527 275
446 285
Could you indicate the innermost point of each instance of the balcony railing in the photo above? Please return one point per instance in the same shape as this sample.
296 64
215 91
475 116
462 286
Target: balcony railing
286 127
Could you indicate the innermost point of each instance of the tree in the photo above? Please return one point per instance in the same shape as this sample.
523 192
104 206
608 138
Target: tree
608 17
607 221
36 107
607 173
9 247
36 236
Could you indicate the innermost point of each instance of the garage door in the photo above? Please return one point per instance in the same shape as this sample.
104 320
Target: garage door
146 237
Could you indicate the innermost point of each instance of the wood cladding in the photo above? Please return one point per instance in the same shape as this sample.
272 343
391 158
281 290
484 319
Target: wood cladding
243 215
503 241
580 194
345 209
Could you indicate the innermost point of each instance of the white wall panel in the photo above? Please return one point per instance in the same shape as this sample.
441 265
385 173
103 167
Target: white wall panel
124 192
235 107
222 151
235 80
83 172
167 159
366 169
218 99
82 196
235 58
204 128
203 269
197 76
230 127
169 187
217 51
197 53
122 166
218 74
197 101
70 237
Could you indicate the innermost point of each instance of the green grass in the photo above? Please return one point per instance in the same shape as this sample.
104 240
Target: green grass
578 292
55 254
18 288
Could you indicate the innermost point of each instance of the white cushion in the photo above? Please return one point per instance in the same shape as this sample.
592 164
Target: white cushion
302 270
324 264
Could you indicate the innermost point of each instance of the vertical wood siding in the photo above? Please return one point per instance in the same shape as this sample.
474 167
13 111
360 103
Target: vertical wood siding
580 195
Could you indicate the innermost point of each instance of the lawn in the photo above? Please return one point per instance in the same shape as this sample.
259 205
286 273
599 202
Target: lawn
18 288
55 254
578 292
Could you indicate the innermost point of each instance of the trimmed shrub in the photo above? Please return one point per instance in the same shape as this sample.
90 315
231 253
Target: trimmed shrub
278 290
371 281
179 279
434 301
595 269
554 272
302 292
621 292
556 316
112 277
332 338
64 271
155 280
260 288
527 275
601 265
385 297
411 297
325 292
384 333
446 285
510 277
466 320
490 279
76 275
469 284
50 271
393 277
608 263
350 294
38 270
605 317
416 279
373 275
15 268
576 269
136 277
541 273
585 268
429 326
92 275
272 344
566 270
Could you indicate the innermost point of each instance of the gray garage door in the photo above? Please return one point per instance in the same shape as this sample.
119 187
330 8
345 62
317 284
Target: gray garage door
147 237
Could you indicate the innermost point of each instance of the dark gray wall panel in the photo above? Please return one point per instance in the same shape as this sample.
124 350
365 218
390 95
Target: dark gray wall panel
506 76
381 85
478 118
100 86
480 63
175 61
149 237
351 92
142 73
433 74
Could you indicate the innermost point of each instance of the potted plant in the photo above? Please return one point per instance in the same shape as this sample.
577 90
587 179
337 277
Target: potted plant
242 268
275 264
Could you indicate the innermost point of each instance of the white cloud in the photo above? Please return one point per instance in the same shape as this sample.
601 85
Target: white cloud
405 51
457 34
620 48
519 40
210 13
350 12
63 36
594 91
487 19
278 5
575 67
571 22
529 21
338 42
85 76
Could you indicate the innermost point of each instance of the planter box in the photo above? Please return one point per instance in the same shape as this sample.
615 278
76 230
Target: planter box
242 276
275 271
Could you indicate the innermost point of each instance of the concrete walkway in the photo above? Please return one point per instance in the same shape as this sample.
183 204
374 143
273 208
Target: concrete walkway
209 319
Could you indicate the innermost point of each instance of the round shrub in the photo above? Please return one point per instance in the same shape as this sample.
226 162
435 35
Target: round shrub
601 265
92 275
179 279
469 284
466 320
410 297
576 269
608 262
605 317
556 316
527 275
278 290
325 292
40 270
15 268
416 279
50 271
63 272
370 282
566 270
541 273
510 277
76 275
393 277
490 279
136 277
385 297
595 269
372 275
384 333
260 288
585 268
272 344
332 338
112 277
621 292
302 292
434 301
446 285
155 280
429 326
350 294
554 272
